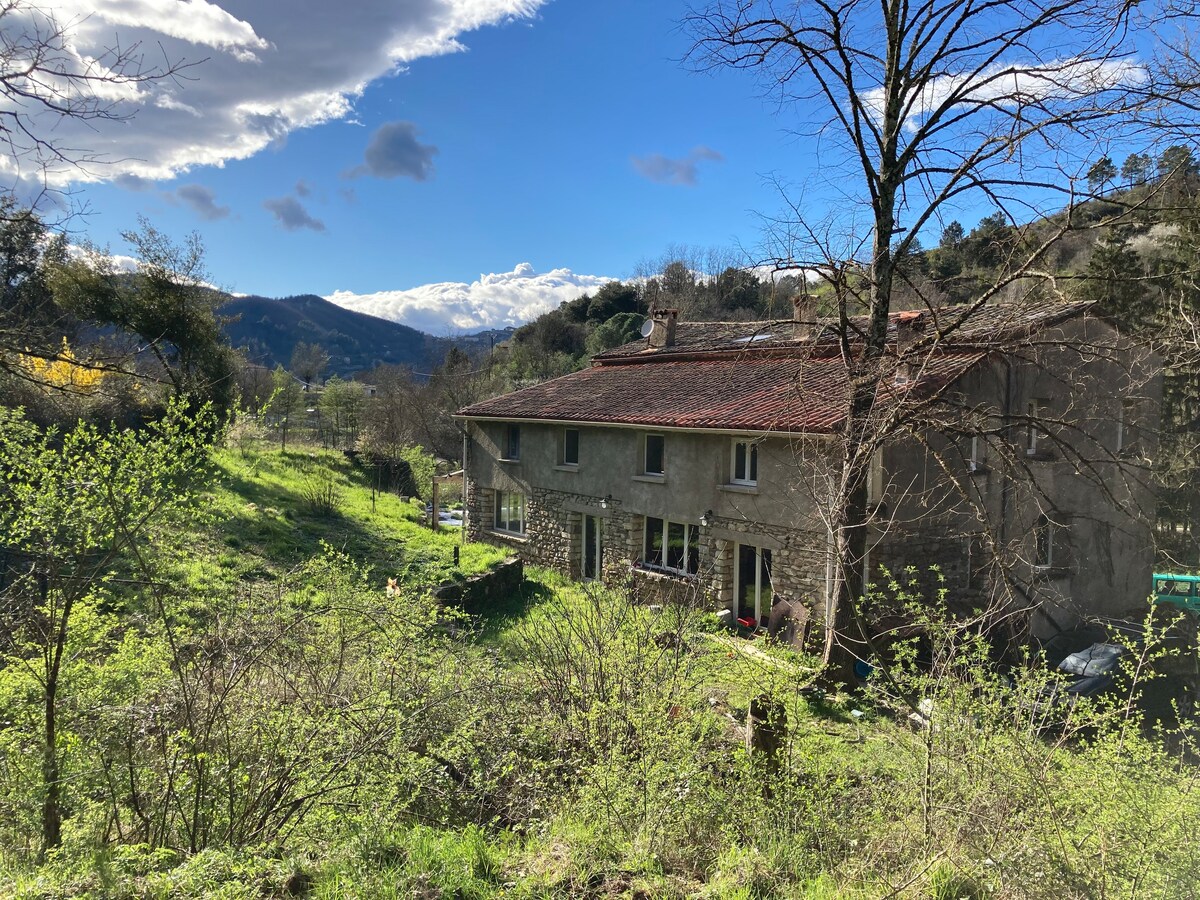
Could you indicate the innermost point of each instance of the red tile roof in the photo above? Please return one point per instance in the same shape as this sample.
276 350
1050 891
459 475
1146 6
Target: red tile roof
715 379
759 393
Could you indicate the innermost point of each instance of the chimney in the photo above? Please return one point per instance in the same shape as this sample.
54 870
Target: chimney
910 327
804 313
662 329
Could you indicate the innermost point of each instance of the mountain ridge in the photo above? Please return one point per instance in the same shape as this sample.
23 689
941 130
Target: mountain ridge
267 329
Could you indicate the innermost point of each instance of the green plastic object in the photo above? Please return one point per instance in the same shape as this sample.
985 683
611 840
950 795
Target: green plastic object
1182 590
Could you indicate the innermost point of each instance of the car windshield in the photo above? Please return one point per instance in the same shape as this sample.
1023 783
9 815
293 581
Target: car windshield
1097 659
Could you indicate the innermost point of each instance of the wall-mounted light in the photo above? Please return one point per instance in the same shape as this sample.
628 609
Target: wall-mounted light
606 501
706 519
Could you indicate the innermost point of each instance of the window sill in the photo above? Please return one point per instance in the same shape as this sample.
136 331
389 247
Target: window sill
651 479
662 574
735 488
563 467
1039 455
1049 573
510 536
508 462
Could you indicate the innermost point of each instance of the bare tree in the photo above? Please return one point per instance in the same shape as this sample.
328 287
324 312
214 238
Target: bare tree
921 109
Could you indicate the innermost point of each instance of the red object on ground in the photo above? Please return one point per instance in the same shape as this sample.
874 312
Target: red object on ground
748 622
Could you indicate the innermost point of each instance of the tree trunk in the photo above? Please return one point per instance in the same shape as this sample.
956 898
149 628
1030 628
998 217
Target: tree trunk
51 777
844 639
845 633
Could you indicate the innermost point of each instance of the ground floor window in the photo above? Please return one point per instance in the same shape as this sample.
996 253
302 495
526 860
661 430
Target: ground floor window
510 512
752 583
674 546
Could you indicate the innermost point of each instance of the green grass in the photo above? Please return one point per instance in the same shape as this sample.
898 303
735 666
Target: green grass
260 524
846 823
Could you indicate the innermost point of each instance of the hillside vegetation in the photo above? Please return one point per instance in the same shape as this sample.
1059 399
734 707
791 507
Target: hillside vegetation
243 710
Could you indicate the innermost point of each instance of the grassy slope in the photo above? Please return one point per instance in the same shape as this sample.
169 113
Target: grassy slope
258 524
258 528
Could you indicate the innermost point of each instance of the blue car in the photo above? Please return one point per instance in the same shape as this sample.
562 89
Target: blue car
1089 672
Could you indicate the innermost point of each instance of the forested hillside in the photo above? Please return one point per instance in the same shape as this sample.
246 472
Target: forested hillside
268 330
1130 249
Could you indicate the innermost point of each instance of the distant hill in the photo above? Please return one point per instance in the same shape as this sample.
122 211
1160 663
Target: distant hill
268 329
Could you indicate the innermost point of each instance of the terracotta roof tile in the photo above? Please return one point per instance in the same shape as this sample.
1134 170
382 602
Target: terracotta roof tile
758 393
755 376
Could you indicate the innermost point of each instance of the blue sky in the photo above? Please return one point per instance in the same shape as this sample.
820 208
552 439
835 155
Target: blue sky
452 164
564 139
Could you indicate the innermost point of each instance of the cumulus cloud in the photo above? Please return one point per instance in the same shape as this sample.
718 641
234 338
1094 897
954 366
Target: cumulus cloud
193 21
1014 85
494 301
267 70
395 152
202 201
683 171
291 214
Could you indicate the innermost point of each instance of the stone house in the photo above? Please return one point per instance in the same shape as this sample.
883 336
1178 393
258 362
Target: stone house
1013 462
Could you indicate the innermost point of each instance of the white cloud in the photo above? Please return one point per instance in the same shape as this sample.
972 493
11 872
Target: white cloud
268 69
117 261
194 21
1011 85
494 301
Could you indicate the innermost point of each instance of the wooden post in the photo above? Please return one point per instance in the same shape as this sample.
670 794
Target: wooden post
766 733
433 506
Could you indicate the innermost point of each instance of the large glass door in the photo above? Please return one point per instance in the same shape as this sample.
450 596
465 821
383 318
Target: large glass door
592 556
752 583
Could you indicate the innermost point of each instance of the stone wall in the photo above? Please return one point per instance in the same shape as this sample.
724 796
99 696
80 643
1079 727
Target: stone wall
480 593
553 538
926 560
933 563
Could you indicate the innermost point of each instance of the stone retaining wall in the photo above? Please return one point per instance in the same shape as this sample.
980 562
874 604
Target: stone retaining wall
479 593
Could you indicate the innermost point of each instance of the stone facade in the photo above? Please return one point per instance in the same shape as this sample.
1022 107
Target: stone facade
553 537
948 511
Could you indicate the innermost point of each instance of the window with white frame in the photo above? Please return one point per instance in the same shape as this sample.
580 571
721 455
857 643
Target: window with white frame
744 462
510 512
570 447
977 453
653 454
875 483
510 448
1035 435
1125 426
671 546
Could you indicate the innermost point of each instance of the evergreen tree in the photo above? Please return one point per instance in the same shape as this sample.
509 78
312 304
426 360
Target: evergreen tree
1101 173
1136 169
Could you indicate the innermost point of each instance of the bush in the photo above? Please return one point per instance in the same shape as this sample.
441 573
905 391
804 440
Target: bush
321 492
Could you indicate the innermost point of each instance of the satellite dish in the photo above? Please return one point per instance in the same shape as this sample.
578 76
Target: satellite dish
647 327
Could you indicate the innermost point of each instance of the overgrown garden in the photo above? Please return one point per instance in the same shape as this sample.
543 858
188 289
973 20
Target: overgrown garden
241 709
